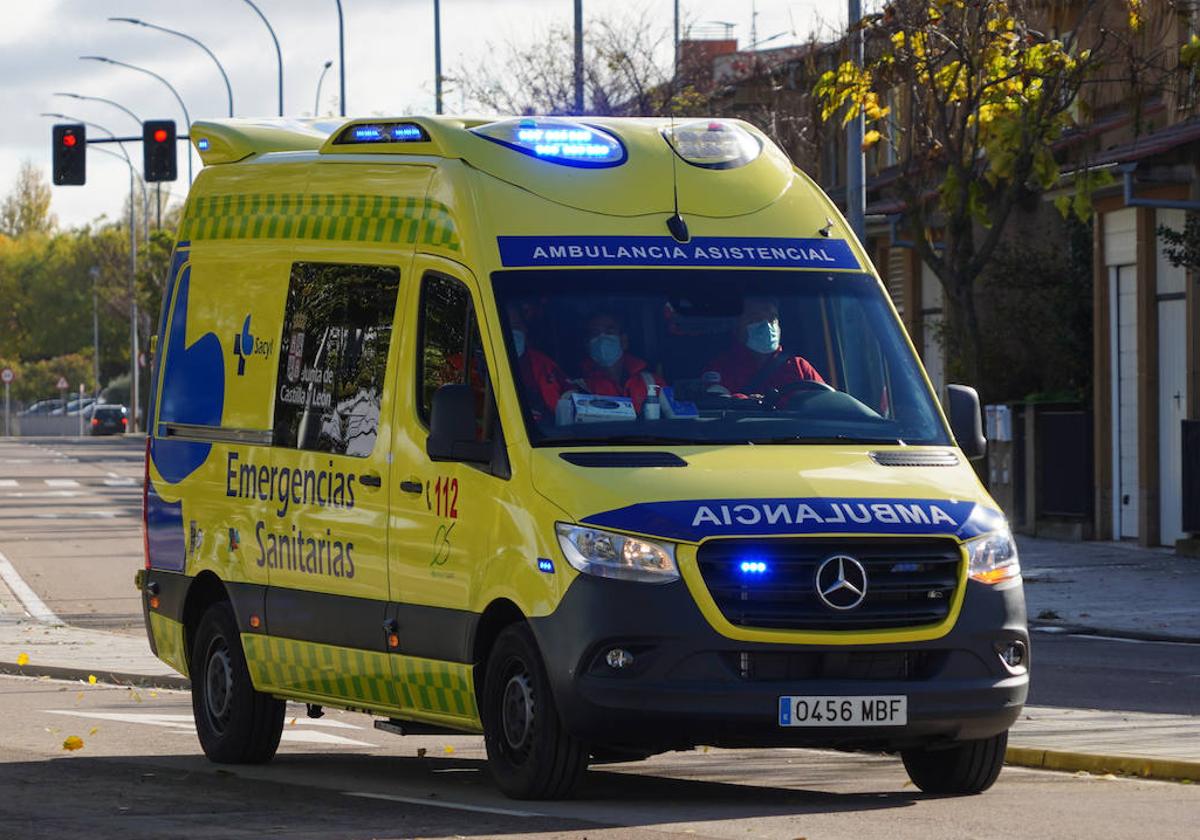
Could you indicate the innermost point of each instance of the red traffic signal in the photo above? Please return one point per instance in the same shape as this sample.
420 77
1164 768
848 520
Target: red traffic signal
158 150
68 150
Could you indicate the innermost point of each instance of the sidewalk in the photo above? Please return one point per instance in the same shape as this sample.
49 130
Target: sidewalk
1111 589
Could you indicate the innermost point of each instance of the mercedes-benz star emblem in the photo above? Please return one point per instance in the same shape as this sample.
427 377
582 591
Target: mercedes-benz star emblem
841 582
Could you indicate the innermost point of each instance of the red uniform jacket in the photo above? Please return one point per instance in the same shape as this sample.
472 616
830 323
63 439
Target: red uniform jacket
599 381
541 378
738 366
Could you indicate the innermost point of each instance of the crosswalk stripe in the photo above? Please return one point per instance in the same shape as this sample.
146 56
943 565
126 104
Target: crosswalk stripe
61 482
8 482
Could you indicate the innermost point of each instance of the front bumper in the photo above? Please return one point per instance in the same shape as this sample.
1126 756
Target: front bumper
689 685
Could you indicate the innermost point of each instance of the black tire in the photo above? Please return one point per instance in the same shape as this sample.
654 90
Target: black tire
236 724
530 754
966 768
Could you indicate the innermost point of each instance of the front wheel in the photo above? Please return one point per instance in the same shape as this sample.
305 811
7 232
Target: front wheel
966 768
236 724
531 754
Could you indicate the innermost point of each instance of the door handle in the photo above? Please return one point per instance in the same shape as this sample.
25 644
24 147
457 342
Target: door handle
414 487
370 480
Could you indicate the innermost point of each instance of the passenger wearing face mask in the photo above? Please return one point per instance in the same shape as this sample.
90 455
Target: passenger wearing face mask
756 363
608 369
539 377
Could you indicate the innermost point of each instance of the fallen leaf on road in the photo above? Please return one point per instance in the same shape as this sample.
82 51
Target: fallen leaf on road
78 698
153 693
22 659
53 729
449 749
421 752
91 679
292 722
134 696
72 743
93 730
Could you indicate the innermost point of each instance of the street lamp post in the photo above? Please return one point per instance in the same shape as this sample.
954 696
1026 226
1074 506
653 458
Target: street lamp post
94 273
224 75
578 56
278 52
187 120
437 56
133 307
855 190
317 102
341 58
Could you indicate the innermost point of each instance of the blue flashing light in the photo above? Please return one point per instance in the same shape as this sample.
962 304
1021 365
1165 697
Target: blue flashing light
202 144
405 132
545 565
558 141
753 567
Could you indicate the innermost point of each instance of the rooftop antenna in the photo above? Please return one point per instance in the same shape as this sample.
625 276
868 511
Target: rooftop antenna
675 223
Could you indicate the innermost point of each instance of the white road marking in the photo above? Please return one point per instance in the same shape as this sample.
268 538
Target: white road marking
44 494
80 514
119 482
28 598
185 724
435 803
61 482
8 482
1101 638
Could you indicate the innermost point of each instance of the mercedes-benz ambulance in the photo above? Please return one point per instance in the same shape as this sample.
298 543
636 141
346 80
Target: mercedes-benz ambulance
599 437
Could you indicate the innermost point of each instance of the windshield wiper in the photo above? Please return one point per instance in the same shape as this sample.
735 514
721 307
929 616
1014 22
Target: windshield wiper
623 440
816 440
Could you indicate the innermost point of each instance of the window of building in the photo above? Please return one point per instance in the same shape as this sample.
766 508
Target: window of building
337 328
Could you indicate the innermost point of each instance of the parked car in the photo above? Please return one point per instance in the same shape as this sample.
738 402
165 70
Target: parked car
45 406
74 406
108 419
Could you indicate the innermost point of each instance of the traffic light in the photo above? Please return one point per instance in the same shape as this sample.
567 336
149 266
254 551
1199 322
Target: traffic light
158 150
69 141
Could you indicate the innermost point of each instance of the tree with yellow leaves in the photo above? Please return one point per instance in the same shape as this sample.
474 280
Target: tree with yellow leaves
980 91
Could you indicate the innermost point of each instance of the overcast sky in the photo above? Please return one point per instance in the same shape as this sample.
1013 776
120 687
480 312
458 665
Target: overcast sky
389 63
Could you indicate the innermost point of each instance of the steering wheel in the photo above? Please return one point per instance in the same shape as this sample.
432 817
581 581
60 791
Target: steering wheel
779 396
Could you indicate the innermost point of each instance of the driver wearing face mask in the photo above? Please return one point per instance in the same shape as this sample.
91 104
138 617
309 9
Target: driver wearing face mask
608 369
756 362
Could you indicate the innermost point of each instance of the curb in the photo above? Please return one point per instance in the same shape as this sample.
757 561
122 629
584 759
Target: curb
121 678
1064 628
1126 765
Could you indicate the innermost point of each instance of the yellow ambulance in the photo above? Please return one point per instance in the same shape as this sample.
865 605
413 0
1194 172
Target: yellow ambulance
599 437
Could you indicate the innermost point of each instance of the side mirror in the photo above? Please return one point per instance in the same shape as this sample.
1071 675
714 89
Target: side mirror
452 427
966 421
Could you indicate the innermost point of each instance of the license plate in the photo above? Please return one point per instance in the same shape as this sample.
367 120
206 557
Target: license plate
823 710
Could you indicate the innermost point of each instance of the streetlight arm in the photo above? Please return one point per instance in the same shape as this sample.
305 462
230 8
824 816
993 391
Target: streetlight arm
278 52
81 97
69 118
187 117
220 68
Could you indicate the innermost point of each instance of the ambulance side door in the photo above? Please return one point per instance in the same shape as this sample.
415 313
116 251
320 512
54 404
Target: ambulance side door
324 542
442 513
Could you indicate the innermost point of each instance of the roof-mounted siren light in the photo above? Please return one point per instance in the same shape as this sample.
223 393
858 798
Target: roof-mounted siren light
713 144
397 132
565 142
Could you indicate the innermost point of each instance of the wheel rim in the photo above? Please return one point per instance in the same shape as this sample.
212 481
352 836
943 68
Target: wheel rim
517 713
218 685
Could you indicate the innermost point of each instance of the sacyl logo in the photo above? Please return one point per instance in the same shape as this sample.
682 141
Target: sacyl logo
245 345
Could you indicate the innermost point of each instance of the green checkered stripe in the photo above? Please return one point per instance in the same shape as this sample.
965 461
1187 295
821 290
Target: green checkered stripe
427 686
168 641
329 217
360 676
430 685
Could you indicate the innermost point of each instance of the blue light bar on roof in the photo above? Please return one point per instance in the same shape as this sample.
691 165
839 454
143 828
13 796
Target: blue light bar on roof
564 142
404 132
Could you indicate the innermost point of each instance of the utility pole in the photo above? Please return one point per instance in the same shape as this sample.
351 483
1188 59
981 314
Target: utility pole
94 273
437 56
133 314
578 56
856 194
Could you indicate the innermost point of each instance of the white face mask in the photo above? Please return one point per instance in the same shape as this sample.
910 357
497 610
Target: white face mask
605 349
763 336
518 338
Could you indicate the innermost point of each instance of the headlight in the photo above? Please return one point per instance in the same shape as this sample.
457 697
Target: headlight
605 554
993 558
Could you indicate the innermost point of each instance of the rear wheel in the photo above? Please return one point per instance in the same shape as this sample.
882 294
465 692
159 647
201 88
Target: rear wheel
236 724
531 754
967 767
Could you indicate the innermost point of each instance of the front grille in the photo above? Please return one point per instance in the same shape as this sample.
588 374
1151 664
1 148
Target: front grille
868 665
910 582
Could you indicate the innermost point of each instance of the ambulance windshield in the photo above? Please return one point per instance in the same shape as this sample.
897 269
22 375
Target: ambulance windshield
661 357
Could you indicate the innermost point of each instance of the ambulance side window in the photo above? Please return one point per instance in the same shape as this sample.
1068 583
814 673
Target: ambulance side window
450 349
332 356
